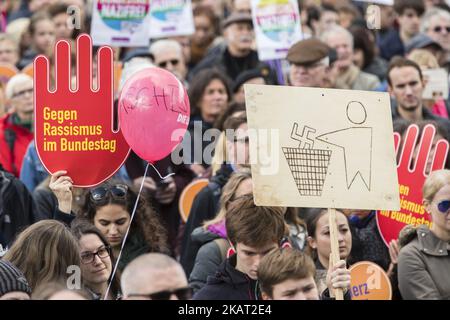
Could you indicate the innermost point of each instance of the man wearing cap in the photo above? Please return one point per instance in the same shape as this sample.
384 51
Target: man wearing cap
237 54
13 285
309 61
423 41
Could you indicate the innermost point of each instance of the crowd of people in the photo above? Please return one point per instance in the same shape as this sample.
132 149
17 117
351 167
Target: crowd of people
58 241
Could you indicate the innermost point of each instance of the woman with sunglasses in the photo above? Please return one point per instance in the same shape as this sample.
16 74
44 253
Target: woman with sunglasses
109 207
424 262
96 260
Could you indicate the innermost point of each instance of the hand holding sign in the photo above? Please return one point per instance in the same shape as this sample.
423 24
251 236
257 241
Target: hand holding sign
74 129
411 180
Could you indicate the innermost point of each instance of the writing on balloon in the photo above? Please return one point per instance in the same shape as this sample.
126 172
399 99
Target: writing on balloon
152 97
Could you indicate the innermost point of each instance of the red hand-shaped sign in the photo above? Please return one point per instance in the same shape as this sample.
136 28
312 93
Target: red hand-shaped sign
74 128
411 180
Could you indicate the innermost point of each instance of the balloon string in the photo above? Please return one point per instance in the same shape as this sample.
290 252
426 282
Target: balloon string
165 177
128 230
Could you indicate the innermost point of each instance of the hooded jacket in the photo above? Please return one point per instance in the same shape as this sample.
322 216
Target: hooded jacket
424 267
229 284
205 207
208 258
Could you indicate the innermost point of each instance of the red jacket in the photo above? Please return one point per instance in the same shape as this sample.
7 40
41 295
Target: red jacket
21 137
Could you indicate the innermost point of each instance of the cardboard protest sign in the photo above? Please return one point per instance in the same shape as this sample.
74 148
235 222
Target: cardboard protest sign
369 282
122 23
277 27
411 179
74 129
313 147
7 72
188 195
436 84
170 18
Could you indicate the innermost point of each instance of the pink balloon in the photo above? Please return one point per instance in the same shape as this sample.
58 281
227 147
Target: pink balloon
154 113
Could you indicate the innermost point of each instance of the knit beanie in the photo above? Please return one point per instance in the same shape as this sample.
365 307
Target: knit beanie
12 279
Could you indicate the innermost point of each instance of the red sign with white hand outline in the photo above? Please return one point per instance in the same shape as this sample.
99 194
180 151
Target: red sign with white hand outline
74 128
411 181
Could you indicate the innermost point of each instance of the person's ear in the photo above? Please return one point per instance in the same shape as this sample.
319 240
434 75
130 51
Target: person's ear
312 242
231 250
265 296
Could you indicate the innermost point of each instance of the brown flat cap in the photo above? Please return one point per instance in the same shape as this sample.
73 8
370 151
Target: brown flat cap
308 51
237 17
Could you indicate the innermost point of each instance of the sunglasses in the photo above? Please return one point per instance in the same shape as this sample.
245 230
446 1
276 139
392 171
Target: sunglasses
439 29
164 64
117 191
443 206
181 294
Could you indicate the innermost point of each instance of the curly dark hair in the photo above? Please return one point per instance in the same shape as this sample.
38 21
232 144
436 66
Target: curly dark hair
146 221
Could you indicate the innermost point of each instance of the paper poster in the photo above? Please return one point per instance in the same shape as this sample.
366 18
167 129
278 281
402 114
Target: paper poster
369 282
415 161
74 129
436 84
122 23
277 27
171 18
326 148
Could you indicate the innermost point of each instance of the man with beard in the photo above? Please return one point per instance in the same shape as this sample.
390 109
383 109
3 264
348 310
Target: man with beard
16 126
236 55
405 85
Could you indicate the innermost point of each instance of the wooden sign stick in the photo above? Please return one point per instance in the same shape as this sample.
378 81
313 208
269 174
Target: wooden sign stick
338 293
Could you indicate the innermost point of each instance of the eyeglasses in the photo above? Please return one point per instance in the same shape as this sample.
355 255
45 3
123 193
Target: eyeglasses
181 294
444 206
23 93
102 253
439 29
117 191
164 64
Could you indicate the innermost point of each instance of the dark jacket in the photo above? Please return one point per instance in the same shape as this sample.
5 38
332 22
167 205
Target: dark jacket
197 128
17 208
390 45
424 267
47 205
426 114
208 257
221 59
204 207
373 247
229 284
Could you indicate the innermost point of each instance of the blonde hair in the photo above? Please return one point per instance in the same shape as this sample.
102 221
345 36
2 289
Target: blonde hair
220 153
424 59
435 181
14 81
228 193
44 251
